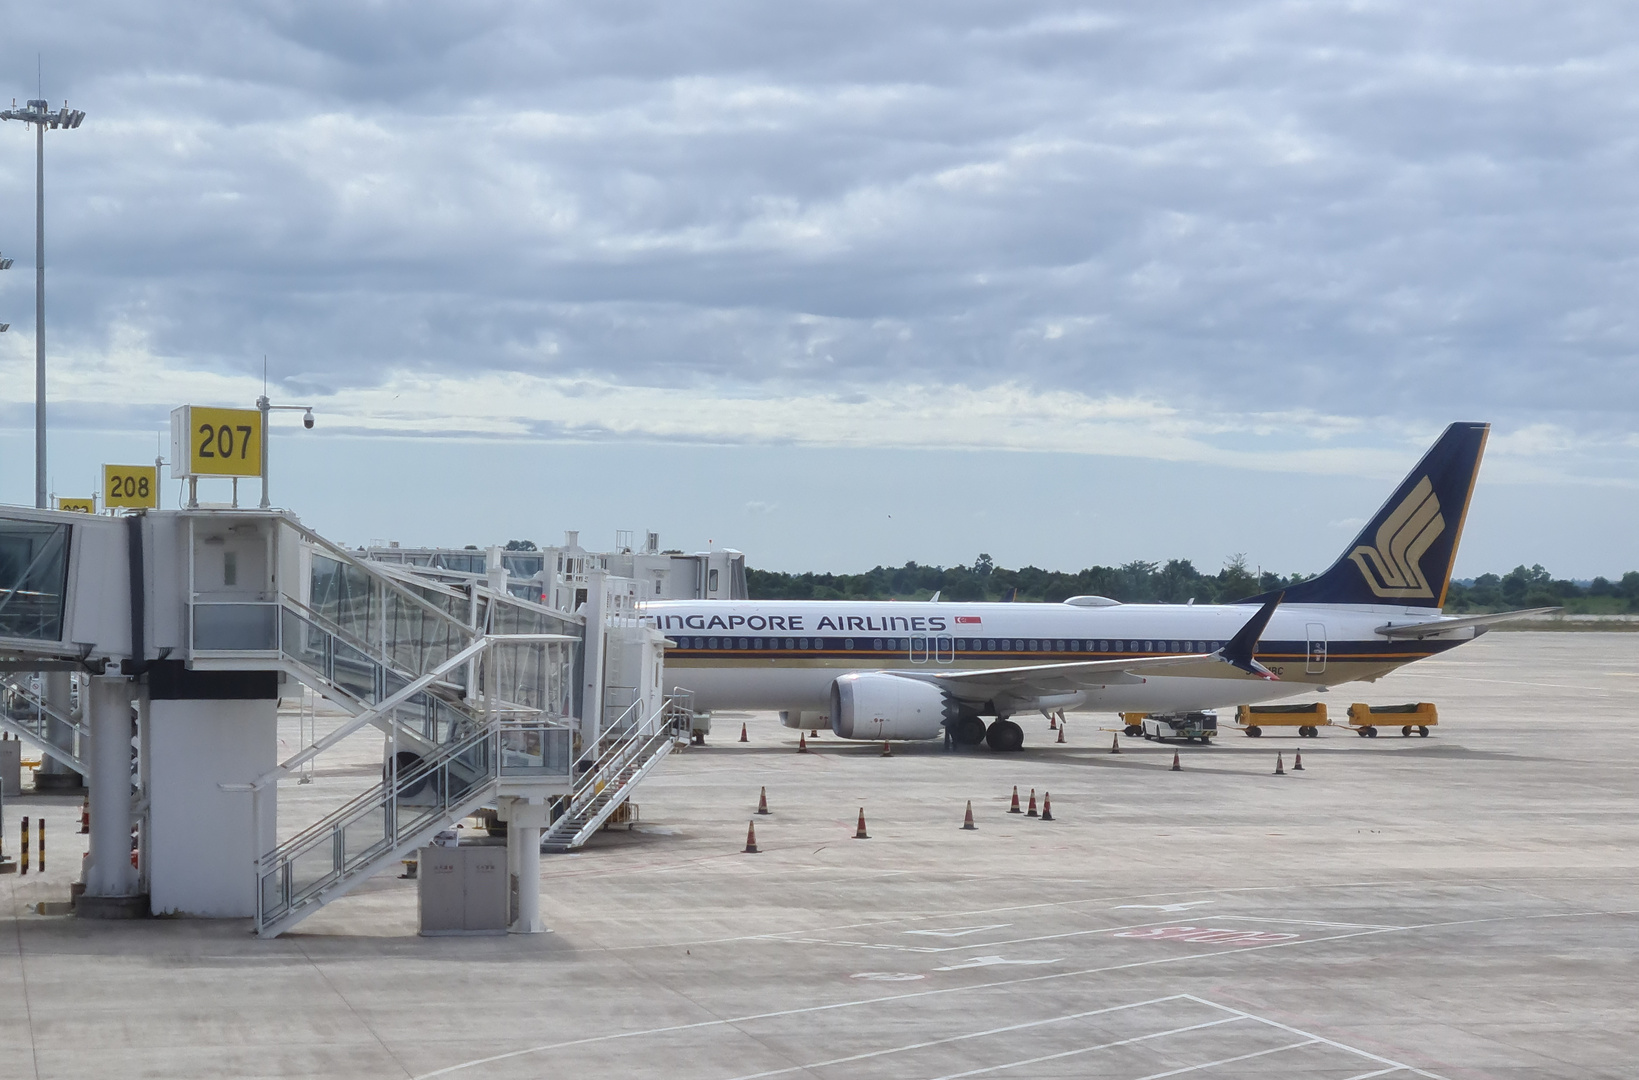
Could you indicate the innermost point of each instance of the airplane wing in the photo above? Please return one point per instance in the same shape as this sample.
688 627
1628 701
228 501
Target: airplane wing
1440 626
1031 681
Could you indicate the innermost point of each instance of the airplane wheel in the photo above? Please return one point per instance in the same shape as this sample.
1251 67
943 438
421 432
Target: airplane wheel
1254 731
970 731
1133 731
1422 732
1405 732
1004 736
1371 733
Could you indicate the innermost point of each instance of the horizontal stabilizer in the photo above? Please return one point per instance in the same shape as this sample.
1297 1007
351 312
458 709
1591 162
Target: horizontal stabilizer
1440 626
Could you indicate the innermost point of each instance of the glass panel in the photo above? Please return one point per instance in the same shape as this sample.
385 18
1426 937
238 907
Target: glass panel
235 627
364 835
312 869
355 671
273 901
33 579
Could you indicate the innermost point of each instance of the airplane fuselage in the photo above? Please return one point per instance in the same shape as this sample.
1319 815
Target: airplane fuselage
785 655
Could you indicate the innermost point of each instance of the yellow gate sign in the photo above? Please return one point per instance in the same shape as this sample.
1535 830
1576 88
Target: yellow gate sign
216 442
131 486
79 506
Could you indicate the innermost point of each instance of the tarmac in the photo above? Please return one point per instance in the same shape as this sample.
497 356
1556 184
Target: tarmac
1459 906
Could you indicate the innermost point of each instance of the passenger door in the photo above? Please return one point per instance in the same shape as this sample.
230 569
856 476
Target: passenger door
1317 649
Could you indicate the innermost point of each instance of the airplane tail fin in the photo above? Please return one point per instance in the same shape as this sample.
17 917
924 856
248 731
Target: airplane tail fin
1404 555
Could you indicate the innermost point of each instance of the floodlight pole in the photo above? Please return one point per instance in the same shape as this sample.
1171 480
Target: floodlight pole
40 316
39 114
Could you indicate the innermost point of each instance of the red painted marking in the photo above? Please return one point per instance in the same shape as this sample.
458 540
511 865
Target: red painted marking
1207 935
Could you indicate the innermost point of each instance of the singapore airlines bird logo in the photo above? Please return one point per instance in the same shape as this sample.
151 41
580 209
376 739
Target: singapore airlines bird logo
1393 568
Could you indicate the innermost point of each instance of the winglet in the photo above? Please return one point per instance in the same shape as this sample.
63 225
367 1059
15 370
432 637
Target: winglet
1238 650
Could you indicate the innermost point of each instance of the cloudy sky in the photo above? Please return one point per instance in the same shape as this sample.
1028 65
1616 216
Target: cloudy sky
850 283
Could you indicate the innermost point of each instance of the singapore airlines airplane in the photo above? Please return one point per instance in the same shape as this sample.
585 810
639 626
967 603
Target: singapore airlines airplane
917 670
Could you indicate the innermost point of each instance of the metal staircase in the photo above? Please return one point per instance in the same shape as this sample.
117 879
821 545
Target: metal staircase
629 751
25 713
331 856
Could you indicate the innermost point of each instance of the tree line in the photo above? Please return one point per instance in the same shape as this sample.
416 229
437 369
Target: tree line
1176 581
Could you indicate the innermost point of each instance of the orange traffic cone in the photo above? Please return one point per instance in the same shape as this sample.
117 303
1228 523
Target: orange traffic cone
1014 809
1032 811
967 819
1061 731
1279 769
1115 744
85 815
887 751
1297 761
1046 806
860 833
1176 765
814 732
1052 721
762 801
751 838
743 734
802 743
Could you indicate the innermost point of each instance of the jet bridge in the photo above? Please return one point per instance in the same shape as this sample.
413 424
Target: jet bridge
180 628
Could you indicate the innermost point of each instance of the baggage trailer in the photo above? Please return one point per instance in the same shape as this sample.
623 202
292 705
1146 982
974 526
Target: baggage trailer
1191 727
1418 717
1308 719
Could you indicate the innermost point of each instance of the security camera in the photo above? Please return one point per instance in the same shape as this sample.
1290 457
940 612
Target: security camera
307 420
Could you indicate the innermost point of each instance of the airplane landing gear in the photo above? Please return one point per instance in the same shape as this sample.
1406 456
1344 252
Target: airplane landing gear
969 731
1005 735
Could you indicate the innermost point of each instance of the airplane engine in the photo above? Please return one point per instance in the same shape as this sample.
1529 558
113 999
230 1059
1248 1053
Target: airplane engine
872 705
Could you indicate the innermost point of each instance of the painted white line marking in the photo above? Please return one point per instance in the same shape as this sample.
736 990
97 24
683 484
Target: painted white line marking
960 931
1165 907
1379 1072
996 961
1206 934
1229 1060
976 1035
1105 1046
886 999
888 976
1368 1055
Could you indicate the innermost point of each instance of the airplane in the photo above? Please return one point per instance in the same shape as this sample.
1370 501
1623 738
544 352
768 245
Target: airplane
923 670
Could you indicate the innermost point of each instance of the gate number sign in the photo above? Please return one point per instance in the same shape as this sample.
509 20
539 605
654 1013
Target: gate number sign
216 442
131 486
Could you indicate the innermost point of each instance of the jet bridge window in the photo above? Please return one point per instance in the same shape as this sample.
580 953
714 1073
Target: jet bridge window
33 579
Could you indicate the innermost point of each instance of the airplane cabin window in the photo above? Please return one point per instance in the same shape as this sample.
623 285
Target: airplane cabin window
1103 646
802 643
876 643
711 643
1149 646
961 644
848 644
790 643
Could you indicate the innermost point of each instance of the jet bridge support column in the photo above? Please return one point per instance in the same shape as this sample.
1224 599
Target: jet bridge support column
525 817
110 880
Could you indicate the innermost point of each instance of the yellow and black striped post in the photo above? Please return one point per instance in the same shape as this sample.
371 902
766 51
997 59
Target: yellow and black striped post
23 869
42 845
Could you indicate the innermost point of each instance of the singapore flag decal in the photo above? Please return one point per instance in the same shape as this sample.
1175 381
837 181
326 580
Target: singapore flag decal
965 620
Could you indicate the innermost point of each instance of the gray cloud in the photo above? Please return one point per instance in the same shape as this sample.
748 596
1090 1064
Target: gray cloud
1370 210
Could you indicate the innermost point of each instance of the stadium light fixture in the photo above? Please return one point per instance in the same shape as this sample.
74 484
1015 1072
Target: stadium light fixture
38 112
